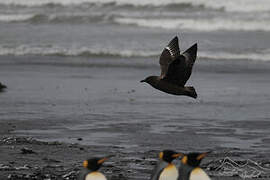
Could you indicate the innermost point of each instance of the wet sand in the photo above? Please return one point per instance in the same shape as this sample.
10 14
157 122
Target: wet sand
104 104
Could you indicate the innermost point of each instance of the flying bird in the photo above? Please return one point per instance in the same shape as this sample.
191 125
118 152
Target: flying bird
176 69
165 169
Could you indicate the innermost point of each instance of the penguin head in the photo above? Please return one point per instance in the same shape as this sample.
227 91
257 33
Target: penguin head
169 155
193 159
94 164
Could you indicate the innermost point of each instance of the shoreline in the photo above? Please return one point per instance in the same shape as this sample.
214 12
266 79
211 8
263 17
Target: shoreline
26 158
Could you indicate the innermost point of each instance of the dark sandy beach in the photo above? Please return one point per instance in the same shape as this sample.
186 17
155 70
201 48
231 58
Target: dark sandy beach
49 106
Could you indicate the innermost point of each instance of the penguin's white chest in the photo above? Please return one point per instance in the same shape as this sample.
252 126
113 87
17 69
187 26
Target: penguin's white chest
169 173
95 176
198 174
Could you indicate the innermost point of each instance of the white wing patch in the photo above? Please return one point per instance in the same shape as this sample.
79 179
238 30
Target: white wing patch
95 176
198 174
169 173
171 52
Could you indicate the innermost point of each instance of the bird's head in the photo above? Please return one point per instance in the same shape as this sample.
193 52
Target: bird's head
169 155
193 159
150 79
2 86
94 164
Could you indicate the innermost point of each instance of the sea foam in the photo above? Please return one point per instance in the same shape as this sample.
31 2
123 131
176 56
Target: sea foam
198 24
228 5
84 51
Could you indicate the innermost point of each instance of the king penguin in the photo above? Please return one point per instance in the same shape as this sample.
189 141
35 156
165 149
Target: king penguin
165 169
190 167
92 166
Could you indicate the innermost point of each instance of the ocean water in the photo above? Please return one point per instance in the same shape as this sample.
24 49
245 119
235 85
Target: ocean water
233 29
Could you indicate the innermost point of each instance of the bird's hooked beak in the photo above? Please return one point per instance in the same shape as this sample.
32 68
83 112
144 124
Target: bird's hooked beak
142 81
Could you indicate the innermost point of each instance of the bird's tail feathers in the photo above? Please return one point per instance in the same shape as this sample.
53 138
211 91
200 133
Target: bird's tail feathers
192 91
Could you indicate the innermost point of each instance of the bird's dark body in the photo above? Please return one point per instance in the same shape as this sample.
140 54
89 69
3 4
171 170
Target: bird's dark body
176 69
168 87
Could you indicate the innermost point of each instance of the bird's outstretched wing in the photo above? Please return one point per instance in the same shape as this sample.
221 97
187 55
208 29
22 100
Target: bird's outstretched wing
180 69
168 55
190 58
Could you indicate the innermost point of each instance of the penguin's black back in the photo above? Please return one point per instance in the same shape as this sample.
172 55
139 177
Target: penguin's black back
158 170
184 172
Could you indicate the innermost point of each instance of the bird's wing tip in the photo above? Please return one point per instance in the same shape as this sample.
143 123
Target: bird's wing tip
173 47
175 37
192 49
195 45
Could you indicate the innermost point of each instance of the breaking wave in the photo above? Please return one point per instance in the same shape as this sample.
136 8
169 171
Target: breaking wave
255 56
50 50
198 24
206 25
73 51
229 5
43 18
196 15
15 17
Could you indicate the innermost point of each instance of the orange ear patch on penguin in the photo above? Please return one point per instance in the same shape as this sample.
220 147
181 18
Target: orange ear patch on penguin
85 163
184 159
161 154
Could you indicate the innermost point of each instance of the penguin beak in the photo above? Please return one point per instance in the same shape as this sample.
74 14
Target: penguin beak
104 159
184 159
201 156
